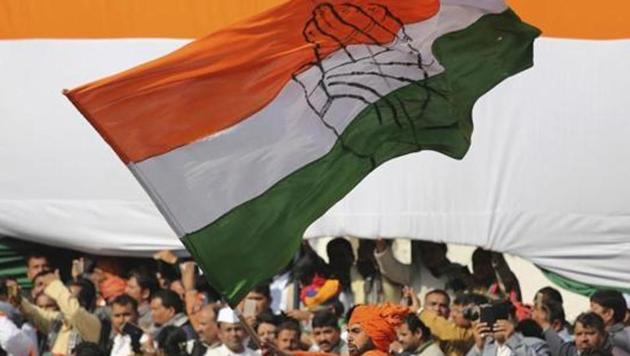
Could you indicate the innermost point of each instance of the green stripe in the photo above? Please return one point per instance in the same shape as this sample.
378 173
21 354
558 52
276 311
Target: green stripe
255 240
574 286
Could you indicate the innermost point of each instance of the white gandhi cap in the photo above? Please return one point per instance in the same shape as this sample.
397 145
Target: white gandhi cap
227 315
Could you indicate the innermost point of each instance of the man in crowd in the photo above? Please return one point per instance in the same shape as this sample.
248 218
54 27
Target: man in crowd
327 335
438 302
372 328
590 334
207 332
125 334
35 263
549 300
288 336
167 308
70 325
415 338
455 335
266 327
232 336
15 338
611 307
549 314
140 286
260 299
503 340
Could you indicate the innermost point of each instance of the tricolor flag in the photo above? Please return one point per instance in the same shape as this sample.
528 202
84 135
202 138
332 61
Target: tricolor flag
245 137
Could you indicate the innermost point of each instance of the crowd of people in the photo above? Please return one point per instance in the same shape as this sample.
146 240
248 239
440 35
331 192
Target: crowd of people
363 303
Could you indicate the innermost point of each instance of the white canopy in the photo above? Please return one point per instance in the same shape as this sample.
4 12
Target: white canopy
546 177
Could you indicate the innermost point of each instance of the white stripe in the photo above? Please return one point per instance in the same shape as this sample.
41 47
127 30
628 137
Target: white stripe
198 183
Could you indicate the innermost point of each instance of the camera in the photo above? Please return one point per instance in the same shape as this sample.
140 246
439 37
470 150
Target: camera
487 313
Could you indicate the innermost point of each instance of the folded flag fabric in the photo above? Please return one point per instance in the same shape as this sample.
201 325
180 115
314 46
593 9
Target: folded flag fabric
319 291
245 137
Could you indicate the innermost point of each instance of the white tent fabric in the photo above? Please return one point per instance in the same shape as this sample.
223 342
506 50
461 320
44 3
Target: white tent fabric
546 177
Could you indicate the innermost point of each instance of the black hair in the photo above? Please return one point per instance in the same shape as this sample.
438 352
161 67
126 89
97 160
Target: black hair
366 263
289 324
87 349
340 247
169 299
145 280
325 318
338 243
555 310
530 328
172 340
416 325
611 299
550 293
441 292
125 299
263 289
36 254
265 318
470 298
308 266
592 321
87 294
348 315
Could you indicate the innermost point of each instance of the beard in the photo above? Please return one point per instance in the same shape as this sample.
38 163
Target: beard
355 350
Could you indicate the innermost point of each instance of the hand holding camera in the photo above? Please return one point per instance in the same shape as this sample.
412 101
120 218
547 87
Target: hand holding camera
481 330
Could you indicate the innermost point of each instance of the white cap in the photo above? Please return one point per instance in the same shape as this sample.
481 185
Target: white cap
227 315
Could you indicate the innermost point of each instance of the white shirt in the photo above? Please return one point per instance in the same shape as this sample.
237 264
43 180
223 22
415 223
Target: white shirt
503 350
224 351
190 345
16 341
122 346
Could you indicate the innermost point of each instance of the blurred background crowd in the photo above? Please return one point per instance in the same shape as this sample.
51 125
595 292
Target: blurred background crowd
89 305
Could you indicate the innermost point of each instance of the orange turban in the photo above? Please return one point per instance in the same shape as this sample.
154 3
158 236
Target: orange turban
379 322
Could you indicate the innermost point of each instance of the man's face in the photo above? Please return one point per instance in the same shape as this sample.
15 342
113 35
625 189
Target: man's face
359 341
607 314
326 337
457 316
36 265
288 340
267 332
409 340
262 302
45 302
133 290
122 314
207 327
159 313
232 335
437 303
587 338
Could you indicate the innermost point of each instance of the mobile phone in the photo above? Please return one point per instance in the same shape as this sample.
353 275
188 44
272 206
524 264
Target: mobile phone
249 308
